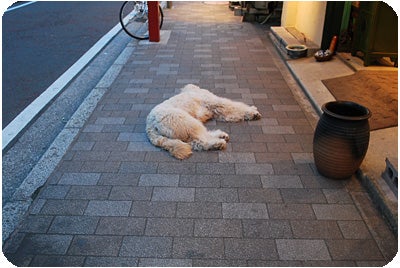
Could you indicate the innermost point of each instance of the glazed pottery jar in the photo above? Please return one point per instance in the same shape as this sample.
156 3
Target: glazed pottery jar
341 139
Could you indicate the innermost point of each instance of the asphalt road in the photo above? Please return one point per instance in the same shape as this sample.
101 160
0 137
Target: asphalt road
42 40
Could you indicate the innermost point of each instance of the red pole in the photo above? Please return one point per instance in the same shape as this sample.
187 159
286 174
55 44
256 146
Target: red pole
154 21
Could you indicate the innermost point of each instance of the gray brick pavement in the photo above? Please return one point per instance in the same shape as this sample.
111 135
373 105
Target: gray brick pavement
116 200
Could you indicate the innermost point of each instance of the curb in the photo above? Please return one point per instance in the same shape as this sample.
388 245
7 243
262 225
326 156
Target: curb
14 211
378 198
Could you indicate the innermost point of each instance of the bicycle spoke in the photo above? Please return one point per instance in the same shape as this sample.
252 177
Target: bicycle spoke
134 19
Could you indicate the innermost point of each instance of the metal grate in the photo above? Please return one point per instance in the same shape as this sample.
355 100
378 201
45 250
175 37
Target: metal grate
390 176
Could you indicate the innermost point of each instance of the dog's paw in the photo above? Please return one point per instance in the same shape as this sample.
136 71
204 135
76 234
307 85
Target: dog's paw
256 116
224 136
253 114
220 145
219 134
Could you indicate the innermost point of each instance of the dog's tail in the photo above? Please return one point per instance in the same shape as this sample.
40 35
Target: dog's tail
175 147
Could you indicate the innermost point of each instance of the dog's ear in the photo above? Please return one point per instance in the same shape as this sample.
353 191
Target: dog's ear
190 87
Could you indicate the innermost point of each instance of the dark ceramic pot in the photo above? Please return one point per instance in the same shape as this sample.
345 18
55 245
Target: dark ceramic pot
341 139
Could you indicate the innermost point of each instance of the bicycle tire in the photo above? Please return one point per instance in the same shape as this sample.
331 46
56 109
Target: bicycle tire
136 26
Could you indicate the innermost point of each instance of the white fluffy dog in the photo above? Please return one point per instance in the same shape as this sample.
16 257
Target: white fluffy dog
176 124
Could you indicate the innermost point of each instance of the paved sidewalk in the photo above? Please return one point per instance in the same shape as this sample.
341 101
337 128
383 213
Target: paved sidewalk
116 200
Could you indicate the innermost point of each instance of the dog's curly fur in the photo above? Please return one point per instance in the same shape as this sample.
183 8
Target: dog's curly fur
176 124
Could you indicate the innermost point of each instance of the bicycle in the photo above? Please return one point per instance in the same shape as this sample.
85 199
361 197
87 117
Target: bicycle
133 17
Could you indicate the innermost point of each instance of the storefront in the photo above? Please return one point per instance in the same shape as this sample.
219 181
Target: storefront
368 29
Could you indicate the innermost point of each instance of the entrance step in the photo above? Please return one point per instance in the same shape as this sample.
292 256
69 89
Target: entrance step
283 36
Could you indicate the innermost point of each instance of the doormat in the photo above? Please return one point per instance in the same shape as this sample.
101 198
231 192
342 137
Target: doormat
376 90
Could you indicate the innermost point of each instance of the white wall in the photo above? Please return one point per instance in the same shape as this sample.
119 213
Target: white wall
306 16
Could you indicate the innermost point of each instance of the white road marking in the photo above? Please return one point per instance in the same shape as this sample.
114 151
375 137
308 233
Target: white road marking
19 6
15 127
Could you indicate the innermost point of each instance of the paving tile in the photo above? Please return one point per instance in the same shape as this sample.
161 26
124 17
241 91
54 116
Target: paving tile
337 196
248 147
91 156
142 146
288 168
354 230
141 81
57 261
302 249
97 136
255 228
146 246
336 212
201 180
315 229
55 191
117 179
159 180
283 181
244 211
254 169
130 193
278 130
217 228
198 248
277 263
121 226
354 249
108 146
257 195
173 194
36 224
286 147
88 192
290 211
272 157
241 181
294 195
45 244
63 207
83 146
133 90
126 156
169 227
73 225
154 262
95 245
219 263
370 263
110 120
302 158
329 262
176 168
261 249
153 209
201 210
138 167
216 195
315 181
100 166
215 168
99 261
80 178
286 108
108 208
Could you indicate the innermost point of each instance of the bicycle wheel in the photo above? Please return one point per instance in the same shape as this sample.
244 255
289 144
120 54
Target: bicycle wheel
133 17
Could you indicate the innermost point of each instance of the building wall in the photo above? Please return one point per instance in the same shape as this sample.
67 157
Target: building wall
306 16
